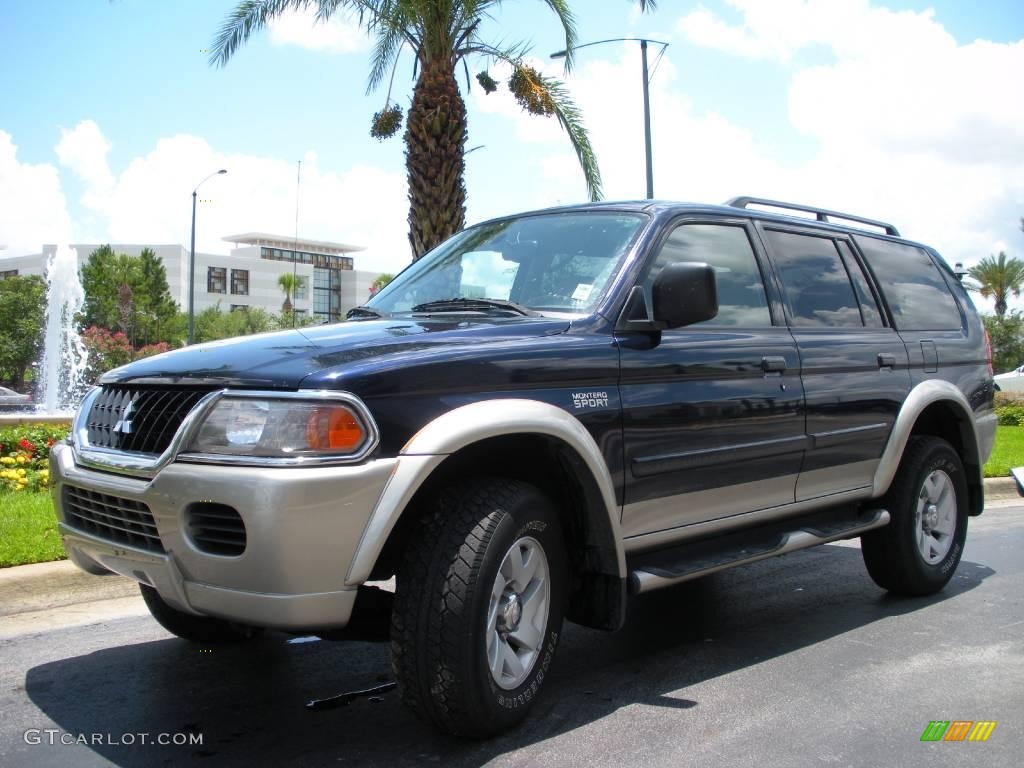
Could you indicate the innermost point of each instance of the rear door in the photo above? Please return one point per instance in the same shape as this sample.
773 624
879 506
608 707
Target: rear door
854 364
941 343
712 413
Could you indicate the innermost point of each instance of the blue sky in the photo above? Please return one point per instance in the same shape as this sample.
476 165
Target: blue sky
900 110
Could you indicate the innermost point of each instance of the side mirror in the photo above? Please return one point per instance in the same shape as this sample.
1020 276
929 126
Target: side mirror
684 293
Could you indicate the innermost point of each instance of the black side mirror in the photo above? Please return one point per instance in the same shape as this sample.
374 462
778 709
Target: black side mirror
684 293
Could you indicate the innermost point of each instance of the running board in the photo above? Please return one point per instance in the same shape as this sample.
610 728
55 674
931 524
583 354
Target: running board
668 567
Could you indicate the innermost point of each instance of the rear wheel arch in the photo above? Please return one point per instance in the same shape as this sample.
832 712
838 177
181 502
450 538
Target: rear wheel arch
937 409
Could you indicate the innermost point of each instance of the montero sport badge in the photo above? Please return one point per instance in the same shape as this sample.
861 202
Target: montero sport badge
589 400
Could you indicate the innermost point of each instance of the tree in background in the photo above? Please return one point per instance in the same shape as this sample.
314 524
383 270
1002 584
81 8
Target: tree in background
289 283
441 34
1006 334
22 312
107 349
129 293
996 277
212 324
381 280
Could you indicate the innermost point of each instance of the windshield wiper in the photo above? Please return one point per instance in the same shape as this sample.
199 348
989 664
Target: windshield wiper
462 304
364 312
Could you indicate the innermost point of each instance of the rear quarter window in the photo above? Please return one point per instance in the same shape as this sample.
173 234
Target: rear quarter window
913 286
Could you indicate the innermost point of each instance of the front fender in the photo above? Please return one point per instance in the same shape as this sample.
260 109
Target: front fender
461 427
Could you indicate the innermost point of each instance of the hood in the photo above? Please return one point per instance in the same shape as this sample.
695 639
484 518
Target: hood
282 360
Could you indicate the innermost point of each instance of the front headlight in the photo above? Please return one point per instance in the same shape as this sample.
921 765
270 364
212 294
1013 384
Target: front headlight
282 428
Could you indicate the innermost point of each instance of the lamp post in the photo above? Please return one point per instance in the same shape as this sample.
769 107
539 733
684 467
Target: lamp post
192 261
647 97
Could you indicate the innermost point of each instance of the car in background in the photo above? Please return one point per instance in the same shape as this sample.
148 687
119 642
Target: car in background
11 400
1011 381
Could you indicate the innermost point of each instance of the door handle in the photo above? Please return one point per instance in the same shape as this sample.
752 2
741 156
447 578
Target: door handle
886 360
773 364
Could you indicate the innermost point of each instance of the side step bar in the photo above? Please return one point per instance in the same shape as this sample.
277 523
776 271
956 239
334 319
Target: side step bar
666 568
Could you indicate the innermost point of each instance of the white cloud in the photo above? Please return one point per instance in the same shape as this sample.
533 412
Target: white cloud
84 151
905 124
339 34
150 201
32 206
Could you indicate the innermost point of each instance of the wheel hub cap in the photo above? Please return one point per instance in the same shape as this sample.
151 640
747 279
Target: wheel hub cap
510 613
517 616
936 517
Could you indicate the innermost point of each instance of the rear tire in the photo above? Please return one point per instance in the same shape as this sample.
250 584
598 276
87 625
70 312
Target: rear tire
478 606
197 629
918 552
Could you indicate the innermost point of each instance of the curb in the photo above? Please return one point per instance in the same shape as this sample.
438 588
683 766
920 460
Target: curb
44 586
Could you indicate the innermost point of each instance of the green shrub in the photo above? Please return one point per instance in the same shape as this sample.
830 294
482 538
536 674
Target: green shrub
1010 415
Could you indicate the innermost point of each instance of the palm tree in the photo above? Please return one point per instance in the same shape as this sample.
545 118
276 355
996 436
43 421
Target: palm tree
288 282
997 278
442 34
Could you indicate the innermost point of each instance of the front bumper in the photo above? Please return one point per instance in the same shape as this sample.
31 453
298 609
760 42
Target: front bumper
302 530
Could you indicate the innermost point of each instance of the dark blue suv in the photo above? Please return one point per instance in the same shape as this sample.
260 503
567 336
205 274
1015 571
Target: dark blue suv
546 414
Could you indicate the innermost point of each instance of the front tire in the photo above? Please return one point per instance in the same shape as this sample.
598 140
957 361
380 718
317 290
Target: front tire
479 606
917 553
205 630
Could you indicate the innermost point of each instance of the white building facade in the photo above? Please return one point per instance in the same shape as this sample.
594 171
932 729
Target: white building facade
247 276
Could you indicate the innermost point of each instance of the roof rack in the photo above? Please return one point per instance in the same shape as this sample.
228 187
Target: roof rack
822 214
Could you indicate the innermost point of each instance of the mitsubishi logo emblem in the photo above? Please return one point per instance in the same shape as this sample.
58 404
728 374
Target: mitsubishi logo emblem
124 424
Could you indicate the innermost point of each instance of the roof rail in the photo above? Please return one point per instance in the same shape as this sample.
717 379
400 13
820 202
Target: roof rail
822 214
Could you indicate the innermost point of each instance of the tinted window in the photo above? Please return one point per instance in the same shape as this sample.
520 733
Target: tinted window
868 305
913 286
815 281
741 296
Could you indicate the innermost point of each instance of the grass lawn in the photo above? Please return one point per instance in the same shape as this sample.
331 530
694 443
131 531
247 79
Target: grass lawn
1008 452
28 529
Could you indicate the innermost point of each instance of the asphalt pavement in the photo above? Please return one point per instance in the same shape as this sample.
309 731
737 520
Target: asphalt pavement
796 661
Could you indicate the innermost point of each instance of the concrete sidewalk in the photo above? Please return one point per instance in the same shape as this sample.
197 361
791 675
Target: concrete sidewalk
58 594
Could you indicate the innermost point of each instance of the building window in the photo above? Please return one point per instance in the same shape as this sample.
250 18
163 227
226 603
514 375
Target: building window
216 280
240 282
8 273
239 307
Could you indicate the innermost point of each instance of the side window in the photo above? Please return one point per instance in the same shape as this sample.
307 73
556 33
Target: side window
868 304
741 297
913 286
815 281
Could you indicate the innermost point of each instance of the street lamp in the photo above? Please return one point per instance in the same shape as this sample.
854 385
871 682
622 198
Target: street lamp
647 96
192 261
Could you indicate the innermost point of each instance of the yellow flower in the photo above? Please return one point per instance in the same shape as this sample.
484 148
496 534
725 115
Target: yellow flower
21 473
21 459
6 460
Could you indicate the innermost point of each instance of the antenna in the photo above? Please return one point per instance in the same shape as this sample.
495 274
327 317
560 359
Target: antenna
295 250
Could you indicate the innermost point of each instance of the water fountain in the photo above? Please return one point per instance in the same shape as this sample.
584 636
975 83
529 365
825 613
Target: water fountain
61 373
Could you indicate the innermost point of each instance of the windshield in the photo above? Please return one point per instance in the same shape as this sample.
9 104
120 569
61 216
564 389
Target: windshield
560 263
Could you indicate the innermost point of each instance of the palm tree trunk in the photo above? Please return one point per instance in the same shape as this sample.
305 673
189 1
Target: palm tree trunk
435 138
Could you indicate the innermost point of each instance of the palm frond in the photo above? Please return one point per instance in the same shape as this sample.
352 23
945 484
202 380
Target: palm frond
571 120
247 18
565 15
385 56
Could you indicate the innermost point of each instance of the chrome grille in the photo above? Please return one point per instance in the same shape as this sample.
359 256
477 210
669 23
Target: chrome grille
123 521
138 419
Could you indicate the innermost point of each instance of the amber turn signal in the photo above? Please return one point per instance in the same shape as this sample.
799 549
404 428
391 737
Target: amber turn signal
334 428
